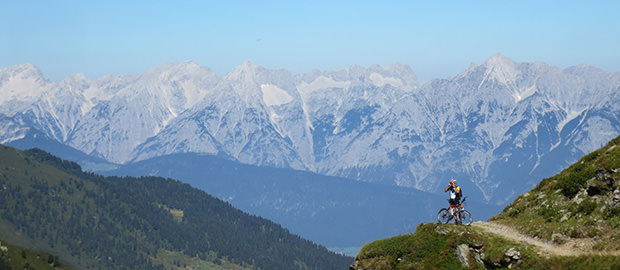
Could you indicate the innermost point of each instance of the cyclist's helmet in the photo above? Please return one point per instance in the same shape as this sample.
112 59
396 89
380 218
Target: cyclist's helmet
453 181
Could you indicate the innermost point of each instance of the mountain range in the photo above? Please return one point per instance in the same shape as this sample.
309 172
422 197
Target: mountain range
497 127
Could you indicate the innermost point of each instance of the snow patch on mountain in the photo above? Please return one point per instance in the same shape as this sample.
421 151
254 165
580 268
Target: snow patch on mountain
321 83
381 81
20 87
274 96
521 95
570 116
21 82
11 131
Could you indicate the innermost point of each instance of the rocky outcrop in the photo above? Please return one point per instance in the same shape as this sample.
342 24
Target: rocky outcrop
472 254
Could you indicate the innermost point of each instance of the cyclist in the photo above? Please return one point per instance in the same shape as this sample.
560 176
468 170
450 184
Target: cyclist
455 197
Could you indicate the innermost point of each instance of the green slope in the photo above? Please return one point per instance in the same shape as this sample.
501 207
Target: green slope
138 223
435 246
568 221
583 201
16 257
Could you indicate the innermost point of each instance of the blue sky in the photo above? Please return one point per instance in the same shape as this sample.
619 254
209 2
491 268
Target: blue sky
438 39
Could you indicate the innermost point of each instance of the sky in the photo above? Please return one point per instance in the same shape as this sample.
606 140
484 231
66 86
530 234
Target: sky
438 39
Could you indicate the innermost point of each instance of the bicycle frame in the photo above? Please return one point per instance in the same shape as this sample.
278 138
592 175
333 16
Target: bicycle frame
456 212
459 207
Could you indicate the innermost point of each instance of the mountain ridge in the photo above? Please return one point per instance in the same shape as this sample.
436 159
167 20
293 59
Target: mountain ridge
94 222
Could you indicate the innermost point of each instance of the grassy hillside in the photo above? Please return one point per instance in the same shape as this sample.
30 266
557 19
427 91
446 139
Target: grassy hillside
138 223
16 257
435 246
583 201
568 221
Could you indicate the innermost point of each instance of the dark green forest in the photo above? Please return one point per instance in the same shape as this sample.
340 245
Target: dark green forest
96 222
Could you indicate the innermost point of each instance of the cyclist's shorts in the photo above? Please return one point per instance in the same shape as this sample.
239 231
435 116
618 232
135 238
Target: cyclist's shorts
454 202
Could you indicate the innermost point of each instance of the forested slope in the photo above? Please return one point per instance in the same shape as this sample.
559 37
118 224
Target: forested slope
138 223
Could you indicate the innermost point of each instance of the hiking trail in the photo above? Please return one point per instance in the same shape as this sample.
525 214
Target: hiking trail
572 247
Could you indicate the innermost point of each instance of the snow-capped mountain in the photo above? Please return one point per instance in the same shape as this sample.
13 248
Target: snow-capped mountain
246 117
500 126
509 124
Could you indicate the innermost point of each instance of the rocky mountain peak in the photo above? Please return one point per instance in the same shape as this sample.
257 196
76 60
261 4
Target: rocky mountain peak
21 84
498 59
77 81
23 71
245 71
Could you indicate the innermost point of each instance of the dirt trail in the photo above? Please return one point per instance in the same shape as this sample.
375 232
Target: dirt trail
573 247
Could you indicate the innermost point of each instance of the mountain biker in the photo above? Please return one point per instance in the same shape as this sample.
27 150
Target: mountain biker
455 197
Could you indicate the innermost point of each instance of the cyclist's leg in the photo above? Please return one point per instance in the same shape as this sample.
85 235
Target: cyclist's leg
454 210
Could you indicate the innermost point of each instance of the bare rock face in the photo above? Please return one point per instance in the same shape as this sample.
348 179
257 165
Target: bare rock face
511 259
615 199
462 254
603 181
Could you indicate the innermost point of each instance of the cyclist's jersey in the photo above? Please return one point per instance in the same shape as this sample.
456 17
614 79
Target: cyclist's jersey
453 192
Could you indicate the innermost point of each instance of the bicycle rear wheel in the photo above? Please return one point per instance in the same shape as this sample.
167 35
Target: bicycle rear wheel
443 216
465 217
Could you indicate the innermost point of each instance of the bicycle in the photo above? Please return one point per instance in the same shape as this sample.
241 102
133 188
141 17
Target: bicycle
445 214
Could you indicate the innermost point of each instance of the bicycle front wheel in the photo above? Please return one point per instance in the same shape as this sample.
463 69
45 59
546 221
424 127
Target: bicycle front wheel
465 217
444 216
